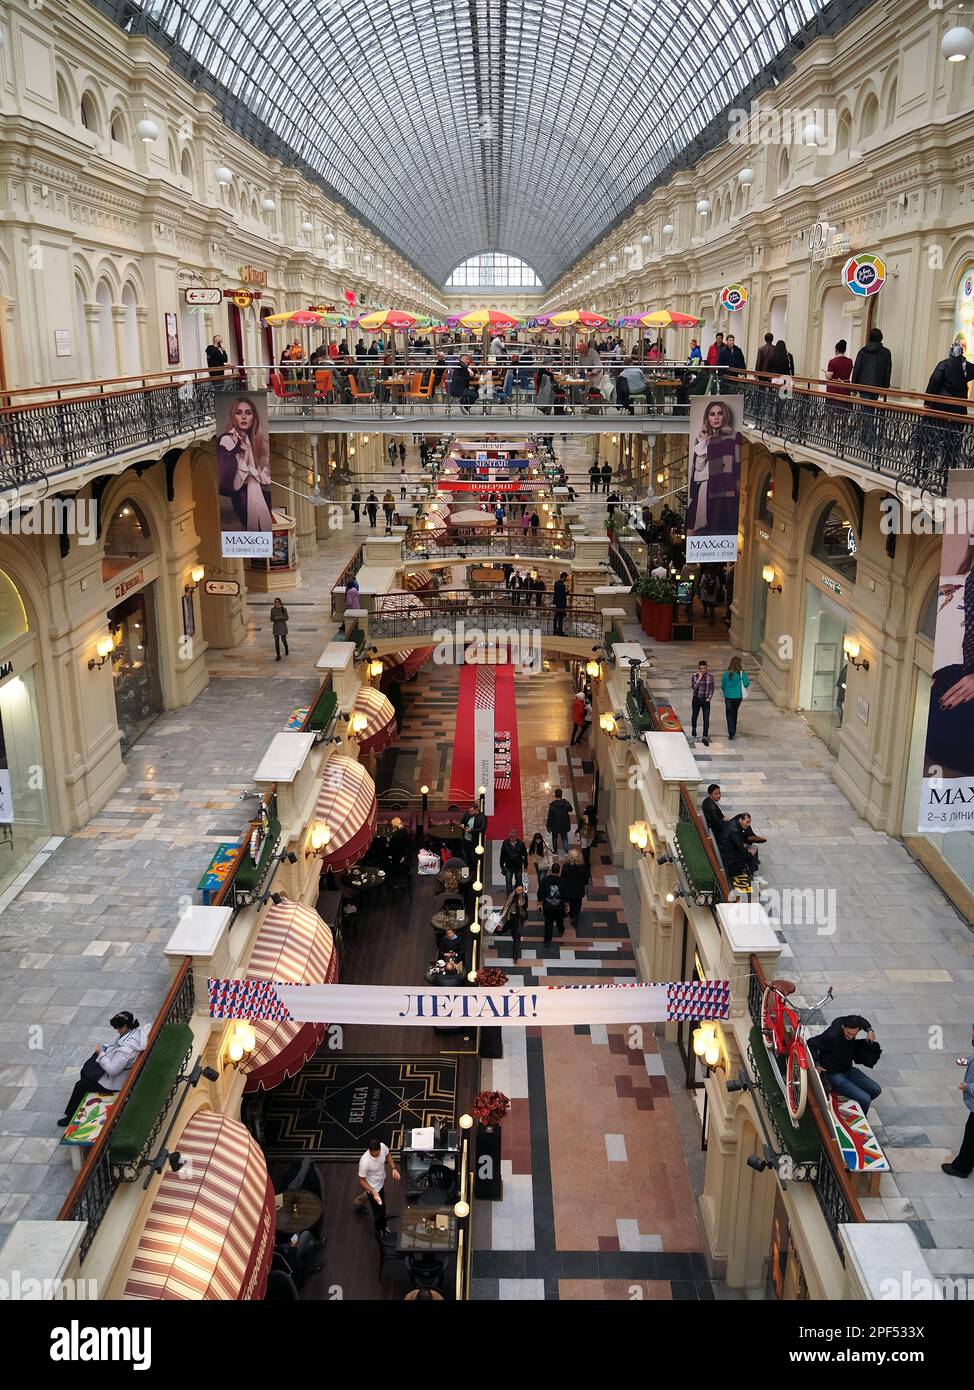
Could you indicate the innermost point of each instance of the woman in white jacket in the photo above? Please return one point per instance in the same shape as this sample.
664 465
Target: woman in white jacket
108 1066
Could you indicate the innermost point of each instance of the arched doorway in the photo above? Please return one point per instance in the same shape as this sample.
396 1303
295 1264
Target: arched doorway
835 324
779 308
132 620
24 815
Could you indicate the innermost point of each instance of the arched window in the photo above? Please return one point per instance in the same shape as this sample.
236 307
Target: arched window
835 542
186 166
127 538
891 106
927 626
766 499
13 615
784 168
493 268
843 138
63 101
116 128
89 113
870 118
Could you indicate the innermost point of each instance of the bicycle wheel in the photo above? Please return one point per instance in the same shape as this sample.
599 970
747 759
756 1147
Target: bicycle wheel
769 1019
796 1091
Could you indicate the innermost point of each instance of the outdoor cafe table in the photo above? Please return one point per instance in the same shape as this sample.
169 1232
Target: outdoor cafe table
298 1212
418 1231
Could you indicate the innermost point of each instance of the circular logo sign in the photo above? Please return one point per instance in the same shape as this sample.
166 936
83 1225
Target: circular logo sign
864 275
733 297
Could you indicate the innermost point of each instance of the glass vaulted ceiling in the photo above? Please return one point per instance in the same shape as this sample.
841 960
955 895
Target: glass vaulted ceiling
525 126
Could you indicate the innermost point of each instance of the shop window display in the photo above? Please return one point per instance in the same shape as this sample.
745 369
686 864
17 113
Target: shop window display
127 539
835 542
137 696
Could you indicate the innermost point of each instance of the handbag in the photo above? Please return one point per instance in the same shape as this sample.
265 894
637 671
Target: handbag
866 1052
744 690
91 1072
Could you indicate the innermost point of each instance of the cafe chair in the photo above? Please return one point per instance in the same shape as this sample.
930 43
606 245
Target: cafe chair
436 1178
281 1288
386 1241
425 1271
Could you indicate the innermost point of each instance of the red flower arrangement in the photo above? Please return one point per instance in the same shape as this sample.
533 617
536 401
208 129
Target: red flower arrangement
490 1107
489 976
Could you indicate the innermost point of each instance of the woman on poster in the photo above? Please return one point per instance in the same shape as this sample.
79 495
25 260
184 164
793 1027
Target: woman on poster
715 474
244 467
950 723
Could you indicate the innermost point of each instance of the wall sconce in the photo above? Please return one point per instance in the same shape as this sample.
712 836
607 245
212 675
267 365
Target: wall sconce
357 723
851 646
593 669
375 668
243 1040
607 723
318 840
706 1045
767 574
641 837
195 579
105 647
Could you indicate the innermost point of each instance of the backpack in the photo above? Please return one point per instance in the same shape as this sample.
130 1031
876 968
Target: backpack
552 893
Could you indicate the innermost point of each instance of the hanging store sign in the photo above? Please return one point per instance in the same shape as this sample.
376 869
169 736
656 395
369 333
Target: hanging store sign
825 242
733 298
242 298
127 585
203 295
947 791
864 275
831 584
250 275
222 588
392 1005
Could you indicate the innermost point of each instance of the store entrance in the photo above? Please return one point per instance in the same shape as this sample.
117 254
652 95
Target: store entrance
138 694
824 674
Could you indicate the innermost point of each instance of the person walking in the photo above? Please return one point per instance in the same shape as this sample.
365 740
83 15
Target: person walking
709 592
764 353
389 507
514 918
372 507
574 878
552 901
403 483
713 352
499 518
372 1167
356 505
474 824
402 453
838 371
962 1164
392 452
216 359
513 860
540 856
873 367
559 821
588 830
279 628
514 587
606 476
834 1053
594 477
535 524
733 684
702 685
109 1065
578 718
950 378
560 598
780 361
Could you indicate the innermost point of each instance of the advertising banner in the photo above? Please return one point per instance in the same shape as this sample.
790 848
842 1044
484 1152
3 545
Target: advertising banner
244 474
483 735
947 793
715 479
546 1006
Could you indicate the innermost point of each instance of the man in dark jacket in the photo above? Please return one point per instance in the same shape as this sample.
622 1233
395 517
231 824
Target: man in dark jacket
594 477
560 593
764 352
834 1053
950 378
463 384
712 813
574 877
513 860
873 367
737 845
552 901
559 821
372 506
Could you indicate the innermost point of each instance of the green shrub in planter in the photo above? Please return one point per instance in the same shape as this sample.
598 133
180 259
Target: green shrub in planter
655 590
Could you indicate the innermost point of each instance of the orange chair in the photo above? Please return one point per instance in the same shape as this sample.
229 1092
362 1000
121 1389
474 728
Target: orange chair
420 390
354 391
324 383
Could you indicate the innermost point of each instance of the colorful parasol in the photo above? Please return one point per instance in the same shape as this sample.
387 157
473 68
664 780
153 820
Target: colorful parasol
572 318
477 319
384 318
302 318
667 318
426 324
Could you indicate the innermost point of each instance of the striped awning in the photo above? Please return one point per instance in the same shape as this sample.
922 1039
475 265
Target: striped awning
295 946
382 729
416 580
210 1230
347 805
402 665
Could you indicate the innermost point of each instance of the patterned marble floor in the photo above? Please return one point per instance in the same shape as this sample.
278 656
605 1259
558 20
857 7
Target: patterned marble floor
890 943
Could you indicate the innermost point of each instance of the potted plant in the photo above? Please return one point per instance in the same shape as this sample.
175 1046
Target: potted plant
490 1107
657 603
491 1038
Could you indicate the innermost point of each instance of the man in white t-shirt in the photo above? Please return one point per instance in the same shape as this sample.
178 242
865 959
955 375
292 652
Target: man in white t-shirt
372 1176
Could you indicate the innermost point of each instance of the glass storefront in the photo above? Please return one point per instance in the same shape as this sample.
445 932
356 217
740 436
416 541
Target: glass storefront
135 669
822 688
24 821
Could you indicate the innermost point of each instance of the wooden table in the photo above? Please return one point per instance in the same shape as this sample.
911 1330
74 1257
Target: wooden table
418 1231
298 1212
363 878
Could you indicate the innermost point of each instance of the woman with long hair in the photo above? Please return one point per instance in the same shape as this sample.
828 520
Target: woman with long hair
733 684
715 474
950 723
244 466
539 855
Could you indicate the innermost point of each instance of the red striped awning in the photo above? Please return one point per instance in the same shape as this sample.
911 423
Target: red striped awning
382 729
402 665
295 946
347 805
415 580
210 1230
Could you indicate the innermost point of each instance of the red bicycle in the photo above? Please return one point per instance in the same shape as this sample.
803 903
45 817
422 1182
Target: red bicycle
784 1038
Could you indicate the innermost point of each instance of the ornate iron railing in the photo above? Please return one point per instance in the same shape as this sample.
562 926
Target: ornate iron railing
410 616
511 544
45 439
909 444
96 1184
350 570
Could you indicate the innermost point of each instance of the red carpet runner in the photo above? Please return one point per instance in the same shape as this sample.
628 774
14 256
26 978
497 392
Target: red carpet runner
507 800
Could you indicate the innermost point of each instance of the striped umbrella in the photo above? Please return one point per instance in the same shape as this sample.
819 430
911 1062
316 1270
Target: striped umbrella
302 318
384 318
295 946
209 1234
572 318
479 319
667 318
347 805
402 665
